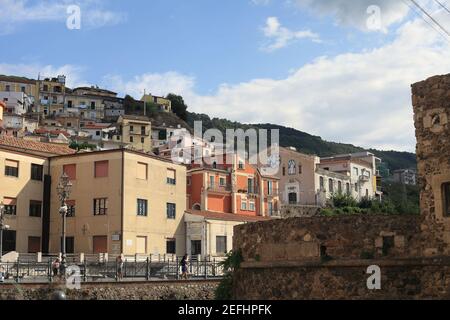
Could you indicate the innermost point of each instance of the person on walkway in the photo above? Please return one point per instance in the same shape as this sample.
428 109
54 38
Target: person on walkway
119 262
184 267
55 267
62 267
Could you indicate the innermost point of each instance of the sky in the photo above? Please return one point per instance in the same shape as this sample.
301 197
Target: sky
335 68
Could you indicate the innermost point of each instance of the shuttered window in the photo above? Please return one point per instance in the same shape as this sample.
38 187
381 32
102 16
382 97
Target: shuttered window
171 176
71 171
446 197
101 169
10 206
35 209
11 168
141 171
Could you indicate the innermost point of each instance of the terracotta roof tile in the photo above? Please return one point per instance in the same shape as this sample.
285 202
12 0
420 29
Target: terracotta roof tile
228 216
48 148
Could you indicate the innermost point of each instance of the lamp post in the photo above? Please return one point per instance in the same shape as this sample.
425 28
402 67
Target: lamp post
64 187
2 227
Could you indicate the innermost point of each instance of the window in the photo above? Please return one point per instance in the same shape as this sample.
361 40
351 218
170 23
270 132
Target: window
292 198
356 186
171 246
243 205
347 188
70 208
7 87
284 171
100 206
93 105
10 206
188 181
330 185
241 164
97 133
70 244
131 128
36 172
55 99
9 241
212 181
339 187
143 130
101 169
71 171
251 206
196 247
142 171
270 187
300 169
270 208
142 140
322 183
251 186
69 104
131 139
171 177
171 210
35 209
355 171
292 167
142 206
221 244
222 181
446 197
34 244
11 168
367 193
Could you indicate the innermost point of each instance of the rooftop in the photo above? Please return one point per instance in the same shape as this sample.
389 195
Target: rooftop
33 146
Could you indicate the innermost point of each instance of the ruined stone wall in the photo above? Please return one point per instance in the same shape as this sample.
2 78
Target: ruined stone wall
338 237
161 290
295 210
431 103
427 279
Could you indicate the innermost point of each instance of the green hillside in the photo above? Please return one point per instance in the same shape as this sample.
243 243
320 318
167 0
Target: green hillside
307 143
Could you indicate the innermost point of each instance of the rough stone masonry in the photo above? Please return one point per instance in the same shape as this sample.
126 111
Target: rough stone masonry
328 257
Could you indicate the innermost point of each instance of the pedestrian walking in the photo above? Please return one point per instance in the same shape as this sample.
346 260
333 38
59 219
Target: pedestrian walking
184 267
55 267
119 262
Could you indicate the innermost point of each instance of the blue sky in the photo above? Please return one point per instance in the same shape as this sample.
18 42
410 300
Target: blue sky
317 65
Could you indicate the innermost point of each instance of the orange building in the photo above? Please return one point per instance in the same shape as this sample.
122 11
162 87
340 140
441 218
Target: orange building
237 188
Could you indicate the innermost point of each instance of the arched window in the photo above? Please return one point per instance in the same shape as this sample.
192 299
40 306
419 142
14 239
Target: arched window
292 167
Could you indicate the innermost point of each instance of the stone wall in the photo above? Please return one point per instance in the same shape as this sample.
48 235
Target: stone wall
294 210
161 290
338 237
410 279
431 102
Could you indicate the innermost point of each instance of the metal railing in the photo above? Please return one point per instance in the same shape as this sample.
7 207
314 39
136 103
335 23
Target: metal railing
135 268
219 187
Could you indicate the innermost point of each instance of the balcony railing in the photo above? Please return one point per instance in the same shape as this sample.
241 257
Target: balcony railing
219 188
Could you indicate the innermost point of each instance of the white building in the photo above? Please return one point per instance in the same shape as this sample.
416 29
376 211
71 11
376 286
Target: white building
16 102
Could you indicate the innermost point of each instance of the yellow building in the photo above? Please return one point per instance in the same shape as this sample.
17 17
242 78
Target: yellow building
163 104
24 192
122 201
52 93
135 131
19 84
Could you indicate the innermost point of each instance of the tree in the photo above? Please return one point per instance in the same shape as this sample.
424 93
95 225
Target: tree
178 105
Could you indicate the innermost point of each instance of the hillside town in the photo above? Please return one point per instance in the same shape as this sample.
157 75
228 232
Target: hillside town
126 193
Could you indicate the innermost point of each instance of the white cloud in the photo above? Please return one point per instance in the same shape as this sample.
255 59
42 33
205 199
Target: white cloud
280 36
355 13
360 98
158 84
18 12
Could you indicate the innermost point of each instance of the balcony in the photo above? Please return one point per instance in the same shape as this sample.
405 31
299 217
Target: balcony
364 178
219 188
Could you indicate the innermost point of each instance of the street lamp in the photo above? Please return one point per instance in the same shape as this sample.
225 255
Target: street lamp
64 187
2 227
